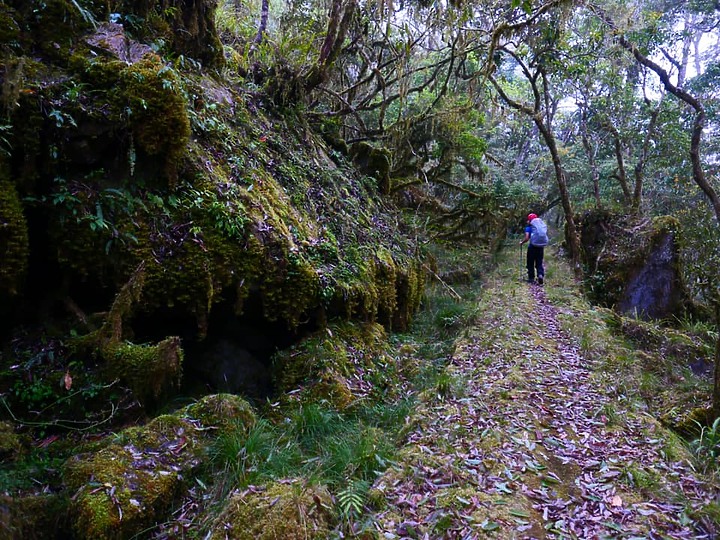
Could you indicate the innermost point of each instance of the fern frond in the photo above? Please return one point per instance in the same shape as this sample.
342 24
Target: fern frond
351 500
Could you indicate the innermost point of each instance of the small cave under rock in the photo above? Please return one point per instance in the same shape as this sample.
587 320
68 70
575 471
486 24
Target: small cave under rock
234 357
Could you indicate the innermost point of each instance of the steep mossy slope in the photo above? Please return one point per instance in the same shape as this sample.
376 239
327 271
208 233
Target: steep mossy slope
166 229
127 162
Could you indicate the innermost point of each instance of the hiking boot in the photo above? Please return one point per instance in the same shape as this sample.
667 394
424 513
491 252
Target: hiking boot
541 280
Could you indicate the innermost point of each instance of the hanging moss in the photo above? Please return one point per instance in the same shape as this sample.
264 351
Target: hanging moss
152 98
410 285
291 511
14 245
385 276
149 370
10 445
289 293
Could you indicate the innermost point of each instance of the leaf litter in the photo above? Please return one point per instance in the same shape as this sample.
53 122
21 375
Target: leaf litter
525 451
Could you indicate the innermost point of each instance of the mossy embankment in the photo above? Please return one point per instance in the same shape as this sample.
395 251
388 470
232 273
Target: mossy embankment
160 214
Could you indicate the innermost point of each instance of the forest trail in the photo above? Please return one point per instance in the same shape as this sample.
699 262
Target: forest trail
530 439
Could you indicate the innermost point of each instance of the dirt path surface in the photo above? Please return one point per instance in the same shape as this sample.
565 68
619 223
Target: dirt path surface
529 443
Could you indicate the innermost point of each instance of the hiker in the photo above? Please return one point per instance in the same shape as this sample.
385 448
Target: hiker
536 234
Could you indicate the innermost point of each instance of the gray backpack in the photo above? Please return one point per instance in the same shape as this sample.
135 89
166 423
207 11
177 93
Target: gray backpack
538 236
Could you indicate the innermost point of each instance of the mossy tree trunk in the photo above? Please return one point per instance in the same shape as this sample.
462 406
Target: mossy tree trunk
339 18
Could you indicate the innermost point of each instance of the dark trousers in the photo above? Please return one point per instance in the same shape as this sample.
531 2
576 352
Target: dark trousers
535 262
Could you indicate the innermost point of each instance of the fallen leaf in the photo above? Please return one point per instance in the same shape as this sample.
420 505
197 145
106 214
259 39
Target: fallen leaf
616 501
67 380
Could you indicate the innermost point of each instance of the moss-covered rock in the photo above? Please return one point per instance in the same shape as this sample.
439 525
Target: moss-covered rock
288 510
689 425
223 411
149 370
119 489
332 365
123 487
157 111
633 265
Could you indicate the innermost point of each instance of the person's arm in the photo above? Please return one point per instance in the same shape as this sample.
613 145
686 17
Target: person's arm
527 237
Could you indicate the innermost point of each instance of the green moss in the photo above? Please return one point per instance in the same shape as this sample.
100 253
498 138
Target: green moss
10 445
161 431
410 286
691 424
118 491
288 511
124 487
291 291
14 245
99 71
223 411
324 363
151 96
149 370
385 279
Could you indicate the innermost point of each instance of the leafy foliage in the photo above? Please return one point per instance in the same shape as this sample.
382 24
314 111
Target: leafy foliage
706 448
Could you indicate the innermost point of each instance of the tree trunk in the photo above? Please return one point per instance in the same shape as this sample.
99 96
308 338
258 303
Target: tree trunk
698 125
590 151
642 160
538 116
573 240
339 18
621 175
698 176
264 13
716 378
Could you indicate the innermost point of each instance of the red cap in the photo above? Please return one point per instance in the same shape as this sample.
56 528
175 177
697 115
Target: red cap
531 217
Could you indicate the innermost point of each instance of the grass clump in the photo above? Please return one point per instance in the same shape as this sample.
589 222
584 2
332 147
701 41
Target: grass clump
706 447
